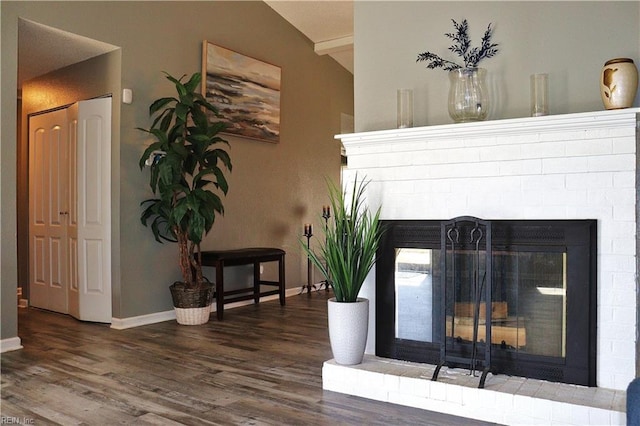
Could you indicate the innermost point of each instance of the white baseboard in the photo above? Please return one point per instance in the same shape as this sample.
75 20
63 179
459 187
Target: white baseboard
10 344
124 323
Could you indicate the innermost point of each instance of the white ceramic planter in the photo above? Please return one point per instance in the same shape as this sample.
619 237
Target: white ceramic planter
348 328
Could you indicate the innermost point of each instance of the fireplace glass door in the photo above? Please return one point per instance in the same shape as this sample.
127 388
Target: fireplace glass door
529 301
414 293
543 292
530 308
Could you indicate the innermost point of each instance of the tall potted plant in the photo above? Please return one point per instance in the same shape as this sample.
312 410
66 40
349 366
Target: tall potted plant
187 180
345 258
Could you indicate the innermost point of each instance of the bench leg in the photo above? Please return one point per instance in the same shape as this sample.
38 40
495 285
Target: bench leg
256 282
281 280
219 290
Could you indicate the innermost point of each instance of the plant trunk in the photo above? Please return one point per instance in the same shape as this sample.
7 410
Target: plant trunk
190 261
196 263
184 260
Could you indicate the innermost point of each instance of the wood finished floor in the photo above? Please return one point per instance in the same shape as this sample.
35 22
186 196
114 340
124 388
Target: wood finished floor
261 366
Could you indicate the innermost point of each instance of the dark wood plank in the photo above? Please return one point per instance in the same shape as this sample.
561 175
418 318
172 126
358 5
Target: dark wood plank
261 366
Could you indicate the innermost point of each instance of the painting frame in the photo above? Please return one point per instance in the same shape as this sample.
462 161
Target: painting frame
245 90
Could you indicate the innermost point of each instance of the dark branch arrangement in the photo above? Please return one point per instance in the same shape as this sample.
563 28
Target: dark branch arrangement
462 47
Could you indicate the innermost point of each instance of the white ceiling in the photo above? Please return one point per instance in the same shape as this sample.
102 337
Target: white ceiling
327 23
42 49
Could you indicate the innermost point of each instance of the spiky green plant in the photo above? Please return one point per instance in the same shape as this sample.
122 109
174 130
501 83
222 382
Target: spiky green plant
348 252
186 173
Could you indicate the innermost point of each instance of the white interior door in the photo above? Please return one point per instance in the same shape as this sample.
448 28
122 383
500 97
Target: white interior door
94 209
70 210
48 211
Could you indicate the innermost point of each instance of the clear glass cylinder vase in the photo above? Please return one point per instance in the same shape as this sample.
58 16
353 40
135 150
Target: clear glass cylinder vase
468 97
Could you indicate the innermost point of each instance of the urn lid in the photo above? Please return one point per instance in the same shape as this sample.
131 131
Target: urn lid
618 61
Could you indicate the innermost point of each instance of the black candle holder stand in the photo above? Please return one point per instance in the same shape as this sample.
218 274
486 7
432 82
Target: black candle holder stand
308 233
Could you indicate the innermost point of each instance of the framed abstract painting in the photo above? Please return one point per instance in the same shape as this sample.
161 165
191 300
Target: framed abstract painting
245 90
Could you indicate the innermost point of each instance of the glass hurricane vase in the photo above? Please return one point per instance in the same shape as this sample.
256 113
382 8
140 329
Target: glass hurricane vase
468 97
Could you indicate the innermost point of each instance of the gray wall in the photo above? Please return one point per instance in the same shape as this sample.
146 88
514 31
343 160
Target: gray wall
274 188
569 40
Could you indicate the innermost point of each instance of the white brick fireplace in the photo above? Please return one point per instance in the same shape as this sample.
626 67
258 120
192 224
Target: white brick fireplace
574 166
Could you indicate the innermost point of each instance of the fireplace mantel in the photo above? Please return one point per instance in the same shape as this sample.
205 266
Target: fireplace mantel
559 167
585 121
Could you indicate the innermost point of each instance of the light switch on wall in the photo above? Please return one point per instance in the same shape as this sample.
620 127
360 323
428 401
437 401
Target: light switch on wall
127 96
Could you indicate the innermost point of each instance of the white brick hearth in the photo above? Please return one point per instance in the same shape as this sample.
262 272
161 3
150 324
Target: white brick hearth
574 166
504 400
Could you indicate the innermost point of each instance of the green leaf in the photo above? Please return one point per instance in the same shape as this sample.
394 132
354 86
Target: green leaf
165 118
216 128
222 181
224 157
200 120
159 104
182 91
181 112
193 82
160 135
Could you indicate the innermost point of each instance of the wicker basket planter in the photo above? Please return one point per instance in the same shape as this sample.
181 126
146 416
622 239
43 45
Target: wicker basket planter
192 305
192 316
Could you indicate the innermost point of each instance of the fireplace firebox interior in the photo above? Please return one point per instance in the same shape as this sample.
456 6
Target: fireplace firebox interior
437 282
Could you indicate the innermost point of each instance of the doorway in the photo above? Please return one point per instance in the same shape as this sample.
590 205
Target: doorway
95 74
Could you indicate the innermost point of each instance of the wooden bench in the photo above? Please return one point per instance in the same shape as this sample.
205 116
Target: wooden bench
247 256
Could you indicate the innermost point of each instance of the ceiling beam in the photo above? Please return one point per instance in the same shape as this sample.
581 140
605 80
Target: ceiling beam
334 46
